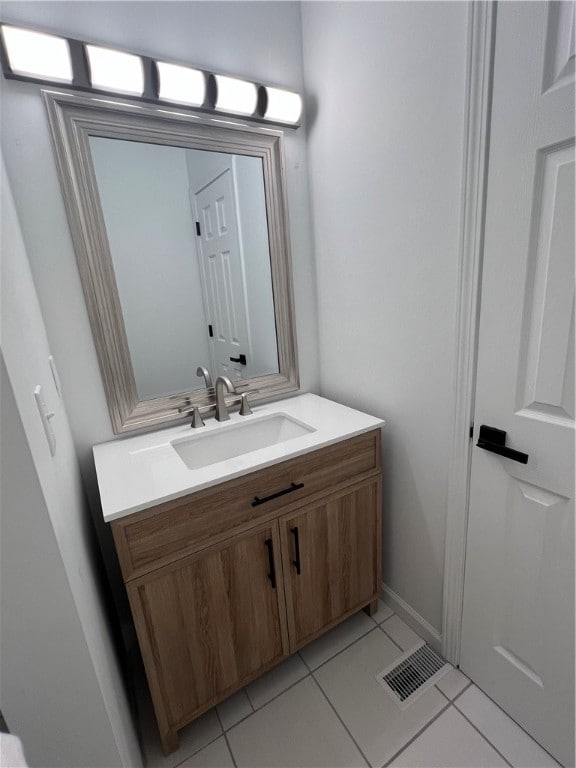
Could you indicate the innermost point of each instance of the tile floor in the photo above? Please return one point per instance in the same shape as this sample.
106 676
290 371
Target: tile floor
323 707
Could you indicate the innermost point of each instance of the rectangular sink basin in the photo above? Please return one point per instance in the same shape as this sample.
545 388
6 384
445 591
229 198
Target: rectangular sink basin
237 439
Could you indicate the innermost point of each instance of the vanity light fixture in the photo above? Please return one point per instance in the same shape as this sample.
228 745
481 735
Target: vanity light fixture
40 57
236 96
37 55
182 85
112 70
283 106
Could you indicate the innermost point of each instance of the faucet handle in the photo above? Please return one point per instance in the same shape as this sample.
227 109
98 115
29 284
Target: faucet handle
197 420
245 409
196 411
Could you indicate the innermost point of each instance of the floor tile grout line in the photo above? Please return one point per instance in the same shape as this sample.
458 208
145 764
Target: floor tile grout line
468 684
378 623
196 751
505 714
381 626
312 670
368 763
241 720
442 692
462 691
248 695
304 662
219 718
225 737
257 709
486 739
230 749
248 699
419 733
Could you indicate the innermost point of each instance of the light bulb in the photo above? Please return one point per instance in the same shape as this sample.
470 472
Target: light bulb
283 106
237 96
112 70
181 84
35 54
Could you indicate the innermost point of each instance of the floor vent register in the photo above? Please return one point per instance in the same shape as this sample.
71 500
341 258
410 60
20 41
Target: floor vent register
412 674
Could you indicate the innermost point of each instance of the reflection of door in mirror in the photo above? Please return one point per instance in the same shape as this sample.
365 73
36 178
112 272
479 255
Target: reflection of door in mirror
221 271
175 285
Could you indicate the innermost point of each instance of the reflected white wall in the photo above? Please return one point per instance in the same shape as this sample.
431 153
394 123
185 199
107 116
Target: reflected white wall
143 191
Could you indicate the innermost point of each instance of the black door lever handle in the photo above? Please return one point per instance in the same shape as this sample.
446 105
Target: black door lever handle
494 440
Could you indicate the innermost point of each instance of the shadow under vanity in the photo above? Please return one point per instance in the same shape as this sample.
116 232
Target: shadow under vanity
244 538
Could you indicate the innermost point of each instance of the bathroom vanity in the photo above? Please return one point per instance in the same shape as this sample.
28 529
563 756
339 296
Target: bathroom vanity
242 543
239 540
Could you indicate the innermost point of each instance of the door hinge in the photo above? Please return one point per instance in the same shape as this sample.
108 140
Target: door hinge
471 430
210 331
198 228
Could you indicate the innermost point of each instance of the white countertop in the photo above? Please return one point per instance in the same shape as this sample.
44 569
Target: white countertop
139 472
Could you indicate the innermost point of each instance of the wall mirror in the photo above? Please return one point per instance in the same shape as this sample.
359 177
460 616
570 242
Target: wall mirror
180 230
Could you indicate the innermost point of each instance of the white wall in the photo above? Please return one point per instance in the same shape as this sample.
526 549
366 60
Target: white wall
60 687
143 190
203 166
259 40
385 86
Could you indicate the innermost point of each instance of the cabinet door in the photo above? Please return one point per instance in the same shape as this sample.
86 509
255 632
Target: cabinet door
330 553
210 622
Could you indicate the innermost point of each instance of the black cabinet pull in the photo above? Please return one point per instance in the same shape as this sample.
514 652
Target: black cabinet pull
494 440
272 574
240 359
283 492
297 549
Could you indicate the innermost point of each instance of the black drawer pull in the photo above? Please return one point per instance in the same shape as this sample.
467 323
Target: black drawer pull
272 574
494 440
297 548
283 492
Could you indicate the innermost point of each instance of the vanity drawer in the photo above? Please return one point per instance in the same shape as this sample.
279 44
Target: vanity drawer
154 537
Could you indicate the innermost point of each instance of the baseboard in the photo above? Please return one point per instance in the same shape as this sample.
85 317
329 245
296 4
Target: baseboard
412 618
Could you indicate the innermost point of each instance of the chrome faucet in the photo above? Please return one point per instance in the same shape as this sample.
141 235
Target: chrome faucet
202 371
221 408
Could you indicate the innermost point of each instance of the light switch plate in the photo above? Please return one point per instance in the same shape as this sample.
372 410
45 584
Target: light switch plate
45 416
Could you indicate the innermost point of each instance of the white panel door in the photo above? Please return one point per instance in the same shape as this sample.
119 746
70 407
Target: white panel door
518 623
222 273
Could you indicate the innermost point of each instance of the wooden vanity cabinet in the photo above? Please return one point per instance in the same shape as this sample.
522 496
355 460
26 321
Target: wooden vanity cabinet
331 557
209 623
216 605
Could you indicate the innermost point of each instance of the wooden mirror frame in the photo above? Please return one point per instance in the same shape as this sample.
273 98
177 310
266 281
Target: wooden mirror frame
73 119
